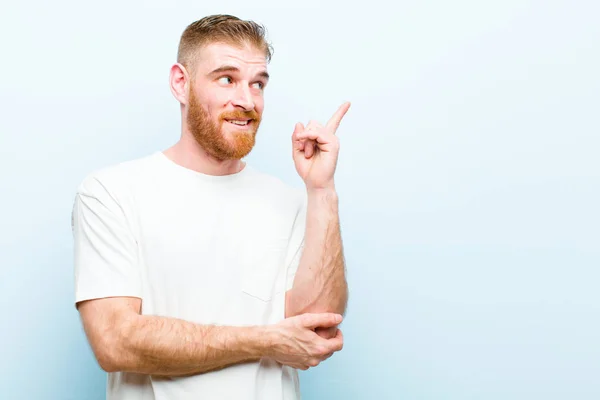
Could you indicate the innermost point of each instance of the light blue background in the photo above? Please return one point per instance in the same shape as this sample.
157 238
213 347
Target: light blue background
468 180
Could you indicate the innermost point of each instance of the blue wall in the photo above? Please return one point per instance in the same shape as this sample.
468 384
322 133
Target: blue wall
468 179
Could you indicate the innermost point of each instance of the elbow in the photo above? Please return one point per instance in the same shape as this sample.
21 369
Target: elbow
104 355
107 364
107 356
111 352
109 326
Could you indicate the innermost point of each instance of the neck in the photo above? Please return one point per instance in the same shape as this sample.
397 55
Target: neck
189 154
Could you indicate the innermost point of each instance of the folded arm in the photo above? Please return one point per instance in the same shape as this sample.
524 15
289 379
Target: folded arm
108 291
124 340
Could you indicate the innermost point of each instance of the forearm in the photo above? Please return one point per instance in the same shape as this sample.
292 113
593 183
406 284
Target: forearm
168 346
320 281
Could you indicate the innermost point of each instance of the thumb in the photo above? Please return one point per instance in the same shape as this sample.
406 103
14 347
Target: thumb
323 320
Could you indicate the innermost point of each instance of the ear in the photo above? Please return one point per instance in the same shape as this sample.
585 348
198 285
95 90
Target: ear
179 81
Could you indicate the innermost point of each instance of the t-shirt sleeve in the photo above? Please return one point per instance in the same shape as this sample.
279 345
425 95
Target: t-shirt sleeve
296 245
105 250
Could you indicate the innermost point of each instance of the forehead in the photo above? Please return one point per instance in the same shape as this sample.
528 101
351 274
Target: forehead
246 58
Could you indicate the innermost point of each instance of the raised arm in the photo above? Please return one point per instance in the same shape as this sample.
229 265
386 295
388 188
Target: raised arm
320 281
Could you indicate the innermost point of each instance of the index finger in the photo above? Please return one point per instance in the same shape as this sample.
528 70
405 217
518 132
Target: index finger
334 122
321 320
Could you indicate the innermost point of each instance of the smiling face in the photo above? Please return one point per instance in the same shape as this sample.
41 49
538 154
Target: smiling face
225 102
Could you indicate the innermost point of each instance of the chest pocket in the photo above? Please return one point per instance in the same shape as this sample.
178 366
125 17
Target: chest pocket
265 269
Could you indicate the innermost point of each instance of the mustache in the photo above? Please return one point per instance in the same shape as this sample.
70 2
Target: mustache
238 114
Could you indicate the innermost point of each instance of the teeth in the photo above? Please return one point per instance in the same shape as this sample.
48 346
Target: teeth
239 122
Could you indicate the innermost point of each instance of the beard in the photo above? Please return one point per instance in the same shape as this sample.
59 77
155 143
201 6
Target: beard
212 136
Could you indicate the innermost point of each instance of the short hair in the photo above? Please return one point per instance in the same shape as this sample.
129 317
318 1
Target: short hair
224 29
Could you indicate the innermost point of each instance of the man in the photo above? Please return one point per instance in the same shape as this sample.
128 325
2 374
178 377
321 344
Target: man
197 276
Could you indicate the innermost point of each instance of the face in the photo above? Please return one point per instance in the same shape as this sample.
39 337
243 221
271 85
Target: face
225 102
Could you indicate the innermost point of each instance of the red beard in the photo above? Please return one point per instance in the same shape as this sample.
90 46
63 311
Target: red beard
214 140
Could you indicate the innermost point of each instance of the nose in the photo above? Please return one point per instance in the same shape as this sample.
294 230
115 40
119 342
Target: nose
243 98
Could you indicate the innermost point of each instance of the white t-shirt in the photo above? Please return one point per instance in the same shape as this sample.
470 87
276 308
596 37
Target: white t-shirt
207 249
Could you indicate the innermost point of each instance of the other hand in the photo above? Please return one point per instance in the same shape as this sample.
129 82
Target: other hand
298 346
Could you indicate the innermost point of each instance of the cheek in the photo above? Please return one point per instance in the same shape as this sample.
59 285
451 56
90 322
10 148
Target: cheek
219 98
259 104
215 106
213 99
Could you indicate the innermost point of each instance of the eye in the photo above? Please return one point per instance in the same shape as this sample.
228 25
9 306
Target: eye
225 80
258 85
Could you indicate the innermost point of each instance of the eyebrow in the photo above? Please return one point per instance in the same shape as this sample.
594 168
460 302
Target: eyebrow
231 68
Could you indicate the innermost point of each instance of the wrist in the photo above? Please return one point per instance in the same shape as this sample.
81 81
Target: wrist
326 191
263 340
270 336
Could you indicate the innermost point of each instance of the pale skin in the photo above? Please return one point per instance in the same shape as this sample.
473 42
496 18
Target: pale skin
320 282
125 340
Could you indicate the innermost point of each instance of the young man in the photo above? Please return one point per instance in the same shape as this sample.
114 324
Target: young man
196 276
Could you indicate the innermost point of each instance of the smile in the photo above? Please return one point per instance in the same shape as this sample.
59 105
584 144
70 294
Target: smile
239 122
